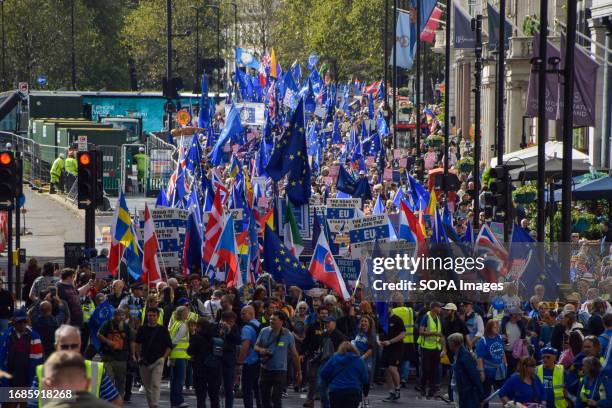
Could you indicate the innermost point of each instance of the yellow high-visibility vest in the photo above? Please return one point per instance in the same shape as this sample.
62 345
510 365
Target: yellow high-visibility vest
93 370
160 318
88 308
180 349
557 384
432 342
407 316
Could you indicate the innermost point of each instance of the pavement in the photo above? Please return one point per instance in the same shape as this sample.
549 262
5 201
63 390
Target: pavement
409 398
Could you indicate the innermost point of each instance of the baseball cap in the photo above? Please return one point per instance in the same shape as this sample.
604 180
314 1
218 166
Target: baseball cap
20 315
182 301
550 350
329 319
450 306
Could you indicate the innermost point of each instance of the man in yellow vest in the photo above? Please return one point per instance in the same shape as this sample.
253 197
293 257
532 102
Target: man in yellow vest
57 170
551 376
432 344
179 333
68 338
71 168
407 315
140 159
66 373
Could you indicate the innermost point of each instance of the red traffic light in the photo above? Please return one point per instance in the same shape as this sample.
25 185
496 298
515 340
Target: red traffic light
84 159
6 158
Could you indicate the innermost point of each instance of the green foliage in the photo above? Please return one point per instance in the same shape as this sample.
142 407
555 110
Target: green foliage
465 164
38 41
345 34
531 25
583 222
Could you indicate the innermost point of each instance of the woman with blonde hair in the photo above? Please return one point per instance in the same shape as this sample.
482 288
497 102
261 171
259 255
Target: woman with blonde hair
344 375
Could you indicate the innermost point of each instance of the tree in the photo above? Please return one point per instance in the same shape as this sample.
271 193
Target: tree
346 34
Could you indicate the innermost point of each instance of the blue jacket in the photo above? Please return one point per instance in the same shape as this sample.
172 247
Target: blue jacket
604 379
35 353
344 372
467 379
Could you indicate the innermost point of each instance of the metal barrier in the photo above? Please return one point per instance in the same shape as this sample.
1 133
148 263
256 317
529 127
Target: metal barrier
37 158
111 160
161 167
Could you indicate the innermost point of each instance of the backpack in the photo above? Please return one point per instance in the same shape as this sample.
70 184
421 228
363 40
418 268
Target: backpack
214 358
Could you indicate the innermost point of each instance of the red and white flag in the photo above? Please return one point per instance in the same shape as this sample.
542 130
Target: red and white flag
150 266
214 226
114 257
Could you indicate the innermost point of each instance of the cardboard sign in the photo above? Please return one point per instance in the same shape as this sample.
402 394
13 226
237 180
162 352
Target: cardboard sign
388 175
397 153
344 203
403 163
368 228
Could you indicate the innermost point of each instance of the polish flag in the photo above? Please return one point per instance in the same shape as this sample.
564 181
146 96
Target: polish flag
150 266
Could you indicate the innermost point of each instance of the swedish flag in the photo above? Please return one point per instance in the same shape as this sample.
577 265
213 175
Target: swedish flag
235 168
123 228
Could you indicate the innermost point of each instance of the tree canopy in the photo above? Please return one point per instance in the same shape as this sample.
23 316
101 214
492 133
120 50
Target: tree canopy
121 44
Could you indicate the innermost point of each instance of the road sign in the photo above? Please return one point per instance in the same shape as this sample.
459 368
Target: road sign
82 143
42 80
183 117
24 87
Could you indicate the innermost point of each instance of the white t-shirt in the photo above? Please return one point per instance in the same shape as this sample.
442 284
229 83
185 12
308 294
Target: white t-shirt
513 333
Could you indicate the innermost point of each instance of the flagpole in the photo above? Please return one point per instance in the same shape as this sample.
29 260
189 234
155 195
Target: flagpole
417 85
394 72
446 95
385 56
542 121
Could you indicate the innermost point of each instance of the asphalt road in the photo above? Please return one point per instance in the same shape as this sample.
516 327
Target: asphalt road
409 398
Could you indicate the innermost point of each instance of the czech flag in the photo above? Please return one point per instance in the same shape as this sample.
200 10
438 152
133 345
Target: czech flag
323 268
227 253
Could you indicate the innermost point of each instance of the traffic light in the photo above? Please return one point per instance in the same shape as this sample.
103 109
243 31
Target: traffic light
501 189
8 180
86 180
488 205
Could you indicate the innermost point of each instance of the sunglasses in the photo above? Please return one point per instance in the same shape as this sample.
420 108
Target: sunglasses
70 346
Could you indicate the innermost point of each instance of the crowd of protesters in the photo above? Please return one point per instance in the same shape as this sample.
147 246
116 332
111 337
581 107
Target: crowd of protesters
267 340
203 336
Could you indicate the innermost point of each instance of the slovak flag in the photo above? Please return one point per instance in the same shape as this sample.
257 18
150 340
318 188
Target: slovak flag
227 253
323 268
150 266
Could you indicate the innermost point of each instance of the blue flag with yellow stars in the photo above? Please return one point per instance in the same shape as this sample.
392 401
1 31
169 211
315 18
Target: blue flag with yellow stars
290 155
283 266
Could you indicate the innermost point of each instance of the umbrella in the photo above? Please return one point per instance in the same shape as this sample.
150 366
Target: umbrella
554 168
594 190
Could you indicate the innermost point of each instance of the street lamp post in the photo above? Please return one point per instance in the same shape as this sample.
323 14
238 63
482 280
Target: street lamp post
72 51
198 70
568 131
541 230
214 6
3 46
169 81
418 89
449 6
477 27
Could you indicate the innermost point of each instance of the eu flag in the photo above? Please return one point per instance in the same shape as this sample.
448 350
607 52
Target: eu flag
290 155
232 128
283 266
345 183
